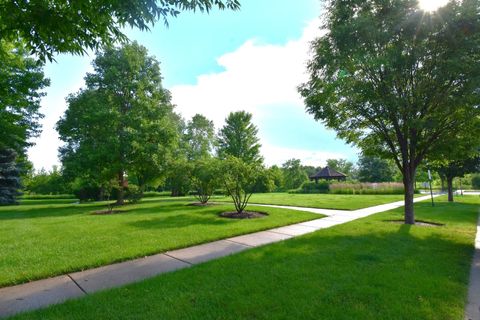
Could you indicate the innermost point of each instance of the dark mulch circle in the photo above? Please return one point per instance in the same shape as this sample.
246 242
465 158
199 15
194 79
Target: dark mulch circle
421 223
244 215
104 212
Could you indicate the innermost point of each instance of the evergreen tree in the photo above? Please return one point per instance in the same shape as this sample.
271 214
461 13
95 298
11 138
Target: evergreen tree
9 177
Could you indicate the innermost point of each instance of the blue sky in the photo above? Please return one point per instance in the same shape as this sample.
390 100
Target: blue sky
252 59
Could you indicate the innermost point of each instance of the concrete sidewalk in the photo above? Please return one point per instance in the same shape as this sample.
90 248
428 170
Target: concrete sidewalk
472 310
39 294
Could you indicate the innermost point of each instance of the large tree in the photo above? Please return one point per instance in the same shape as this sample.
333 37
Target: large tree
396 80
457 168
293 174
122 124
238 138
21 84
374 169
343 166
199 137
57 26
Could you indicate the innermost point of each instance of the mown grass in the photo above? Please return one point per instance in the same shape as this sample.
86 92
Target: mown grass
43 238
323 201
365 269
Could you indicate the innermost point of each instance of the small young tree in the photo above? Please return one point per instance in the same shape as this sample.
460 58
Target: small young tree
9 177
205 178
241 180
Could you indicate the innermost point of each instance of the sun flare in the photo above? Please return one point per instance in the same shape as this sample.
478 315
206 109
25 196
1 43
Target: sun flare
431 5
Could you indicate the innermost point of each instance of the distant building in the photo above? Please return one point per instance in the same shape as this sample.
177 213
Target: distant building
328 174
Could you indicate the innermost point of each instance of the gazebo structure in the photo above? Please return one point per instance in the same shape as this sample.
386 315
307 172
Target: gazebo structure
328 174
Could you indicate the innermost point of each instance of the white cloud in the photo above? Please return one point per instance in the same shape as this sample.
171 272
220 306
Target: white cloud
256 77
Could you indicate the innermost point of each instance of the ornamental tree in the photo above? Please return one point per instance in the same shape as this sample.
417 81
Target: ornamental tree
395 80
206 177
241 179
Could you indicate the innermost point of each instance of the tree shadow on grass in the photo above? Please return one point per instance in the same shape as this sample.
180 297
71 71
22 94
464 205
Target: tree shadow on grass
47 211
443 212
179 221
399 273
64 210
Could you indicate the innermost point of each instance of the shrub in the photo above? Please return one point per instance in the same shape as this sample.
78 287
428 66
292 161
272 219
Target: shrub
241 180
152 194
476 181
85 190
313 187
205 178
133 194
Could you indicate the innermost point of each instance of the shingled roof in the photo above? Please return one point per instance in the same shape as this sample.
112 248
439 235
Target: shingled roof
328 173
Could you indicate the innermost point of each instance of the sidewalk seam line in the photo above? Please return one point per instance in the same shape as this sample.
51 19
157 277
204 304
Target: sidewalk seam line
189 263
243 244
74 281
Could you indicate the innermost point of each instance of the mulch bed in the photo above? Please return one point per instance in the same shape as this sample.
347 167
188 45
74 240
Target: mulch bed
244 215
418 223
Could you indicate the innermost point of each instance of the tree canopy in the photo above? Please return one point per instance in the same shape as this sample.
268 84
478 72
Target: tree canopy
374 169
395 80
342 165
50 27
122 123
21 84
238 138
199 137
293 174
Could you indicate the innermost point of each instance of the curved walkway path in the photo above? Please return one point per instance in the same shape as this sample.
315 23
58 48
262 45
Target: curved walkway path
41 293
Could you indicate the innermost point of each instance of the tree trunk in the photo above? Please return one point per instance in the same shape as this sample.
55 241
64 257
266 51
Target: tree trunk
442 179
121 189
450 188
409 185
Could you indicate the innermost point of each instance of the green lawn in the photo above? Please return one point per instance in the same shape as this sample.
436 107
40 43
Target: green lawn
324 201
41 240
365 269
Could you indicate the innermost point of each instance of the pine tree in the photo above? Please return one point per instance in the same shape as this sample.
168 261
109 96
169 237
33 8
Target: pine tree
9 177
